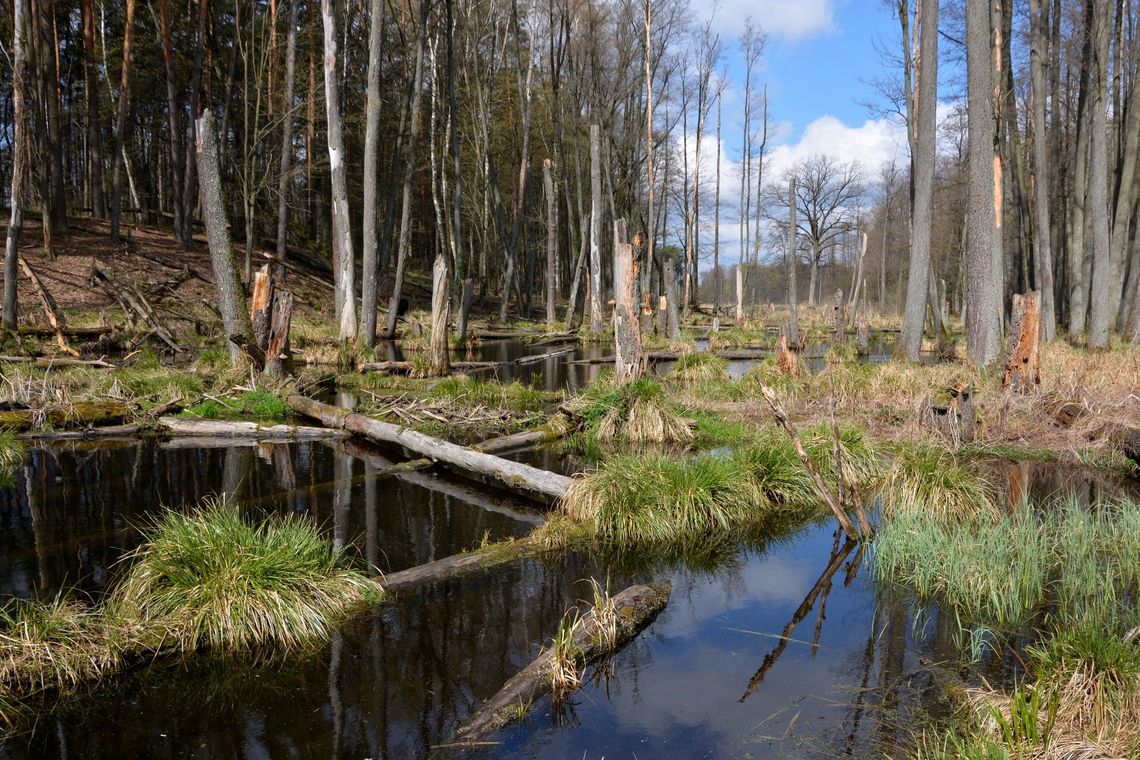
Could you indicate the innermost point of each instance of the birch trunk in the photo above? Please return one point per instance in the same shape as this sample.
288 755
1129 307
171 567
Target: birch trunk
597 320
551 244
343 259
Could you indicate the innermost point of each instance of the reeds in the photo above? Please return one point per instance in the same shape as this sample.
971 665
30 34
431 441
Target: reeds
695 370
11 454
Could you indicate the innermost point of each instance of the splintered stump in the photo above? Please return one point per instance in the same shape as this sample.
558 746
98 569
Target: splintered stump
1022 372
630 361
270 315
634 609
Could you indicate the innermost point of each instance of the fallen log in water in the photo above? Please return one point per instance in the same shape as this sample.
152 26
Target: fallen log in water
519 441
191 433
514 474
634 609
78 414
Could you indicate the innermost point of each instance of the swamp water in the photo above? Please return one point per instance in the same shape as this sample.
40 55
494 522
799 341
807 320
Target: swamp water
790 650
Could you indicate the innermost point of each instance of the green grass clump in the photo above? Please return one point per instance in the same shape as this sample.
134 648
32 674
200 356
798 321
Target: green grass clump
472 391
638 412
259 404
932 480
11 454
642 501
699 369
213 580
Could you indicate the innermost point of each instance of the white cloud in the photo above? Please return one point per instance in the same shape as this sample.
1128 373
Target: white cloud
793 20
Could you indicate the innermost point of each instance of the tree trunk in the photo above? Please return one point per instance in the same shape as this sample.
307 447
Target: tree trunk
1043 251
793 331
926 135
121 123
1021 367
369 265
19 163
231 297
283 175
440 301
172 113
343 257
629 362
982 298
551 244
1100 306
597 320
189 182
404 241
91 91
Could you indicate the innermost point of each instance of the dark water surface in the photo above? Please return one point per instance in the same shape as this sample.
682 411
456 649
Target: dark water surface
789 651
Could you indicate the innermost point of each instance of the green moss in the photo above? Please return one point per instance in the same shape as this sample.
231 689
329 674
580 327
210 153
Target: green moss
259 404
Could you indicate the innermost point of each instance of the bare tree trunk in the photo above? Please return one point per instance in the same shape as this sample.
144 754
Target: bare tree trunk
121 123
982 298
1043 251
651 232
369 264
283 176
343 257
231 296
793 331
172 113
1077 258
716 217
1100 306
551 243
440 365
91 87
597 320
914 316
404 241
189 181
629 362
19 163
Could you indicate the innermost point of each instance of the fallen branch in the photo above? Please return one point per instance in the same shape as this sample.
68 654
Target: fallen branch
52 361
824 491
514 474
634 609
48 305
134 300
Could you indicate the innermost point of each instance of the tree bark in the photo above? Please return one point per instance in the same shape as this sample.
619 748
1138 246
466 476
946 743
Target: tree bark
91 92
597 320
440 301
793 332
369 265
172 113
1022 372
982 298
926 135
19 162
551 244
1101 309
283 169
629 362
121 123
343 256
1043 251
231 297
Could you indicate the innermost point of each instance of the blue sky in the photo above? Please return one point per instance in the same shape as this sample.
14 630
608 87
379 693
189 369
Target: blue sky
819 60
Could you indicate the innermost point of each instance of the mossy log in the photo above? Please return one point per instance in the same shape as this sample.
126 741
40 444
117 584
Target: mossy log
635 608
520 441
78 414
515 475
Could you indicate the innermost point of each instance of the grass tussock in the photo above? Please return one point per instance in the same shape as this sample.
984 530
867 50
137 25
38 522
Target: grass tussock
695 370
933 481
12 453
692 503
216 581
206 579
638 412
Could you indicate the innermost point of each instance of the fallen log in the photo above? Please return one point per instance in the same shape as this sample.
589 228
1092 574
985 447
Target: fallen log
48 305
403 368
634 609
54 361
543 357
519 441
514 474
78 414
134 301
179 427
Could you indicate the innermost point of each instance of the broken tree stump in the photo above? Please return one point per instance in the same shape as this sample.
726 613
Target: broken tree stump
630 360
837 317
634 609
1022 372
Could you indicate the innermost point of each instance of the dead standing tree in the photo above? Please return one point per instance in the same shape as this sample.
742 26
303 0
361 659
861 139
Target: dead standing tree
629 362
19 165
